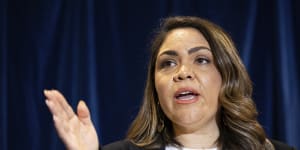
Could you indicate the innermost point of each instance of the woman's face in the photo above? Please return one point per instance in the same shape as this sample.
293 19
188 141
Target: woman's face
187 81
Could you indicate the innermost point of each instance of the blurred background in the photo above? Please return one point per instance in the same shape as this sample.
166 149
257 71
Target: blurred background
97 50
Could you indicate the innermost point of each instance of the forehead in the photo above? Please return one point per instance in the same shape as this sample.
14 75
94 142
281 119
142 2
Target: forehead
183 38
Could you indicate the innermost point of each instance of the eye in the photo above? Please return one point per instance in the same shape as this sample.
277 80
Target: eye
202 60
167 63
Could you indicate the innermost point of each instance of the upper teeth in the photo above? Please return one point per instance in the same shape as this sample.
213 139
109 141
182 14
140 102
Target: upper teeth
186 92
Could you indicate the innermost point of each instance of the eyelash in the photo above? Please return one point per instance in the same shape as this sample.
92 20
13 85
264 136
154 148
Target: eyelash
167 63
202 60
170 63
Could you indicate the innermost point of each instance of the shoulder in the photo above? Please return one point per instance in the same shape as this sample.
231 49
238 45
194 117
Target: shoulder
281 146
121 145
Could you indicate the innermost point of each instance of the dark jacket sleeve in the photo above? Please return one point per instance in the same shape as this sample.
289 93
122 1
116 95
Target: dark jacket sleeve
281 146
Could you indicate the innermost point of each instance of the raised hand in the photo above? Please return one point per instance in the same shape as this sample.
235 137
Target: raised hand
76 131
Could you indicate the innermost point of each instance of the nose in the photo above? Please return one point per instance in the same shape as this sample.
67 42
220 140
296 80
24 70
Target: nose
184 73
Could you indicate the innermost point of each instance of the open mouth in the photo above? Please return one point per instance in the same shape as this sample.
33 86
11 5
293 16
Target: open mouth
186 95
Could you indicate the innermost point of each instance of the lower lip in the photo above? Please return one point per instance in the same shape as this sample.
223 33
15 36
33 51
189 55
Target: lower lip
190 101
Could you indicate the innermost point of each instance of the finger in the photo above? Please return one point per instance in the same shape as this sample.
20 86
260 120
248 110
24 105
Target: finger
61 128
54 106
65 105
83 113
54 110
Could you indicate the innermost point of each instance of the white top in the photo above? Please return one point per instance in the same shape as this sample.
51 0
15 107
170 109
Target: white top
170 147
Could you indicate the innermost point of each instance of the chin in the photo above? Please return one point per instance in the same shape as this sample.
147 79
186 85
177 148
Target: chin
186 122
190 124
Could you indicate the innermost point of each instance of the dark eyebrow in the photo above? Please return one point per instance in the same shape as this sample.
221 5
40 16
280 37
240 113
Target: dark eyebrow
195 49
169 52
190 51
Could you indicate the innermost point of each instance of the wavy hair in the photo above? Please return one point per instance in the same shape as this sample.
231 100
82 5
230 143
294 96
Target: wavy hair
237 114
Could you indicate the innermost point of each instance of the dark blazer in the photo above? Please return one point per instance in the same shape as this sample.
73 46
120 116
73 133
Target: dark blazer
127 145
281 146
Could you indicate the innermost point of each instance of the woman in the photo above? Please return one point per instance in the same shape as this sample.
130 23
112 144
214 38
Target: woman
197 96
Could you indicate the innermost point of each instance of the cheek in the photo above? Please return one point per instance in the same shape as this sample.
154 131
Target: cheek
216 81
214 89
160 84
211 83
163 85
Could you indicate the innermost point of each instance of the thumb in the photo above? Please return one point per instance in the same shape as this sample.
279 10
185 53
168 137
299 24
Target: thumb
83 113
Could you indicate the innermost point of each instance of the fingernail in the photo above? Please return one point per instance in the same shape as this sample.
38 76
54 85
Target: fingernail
47 102
55 118
46 91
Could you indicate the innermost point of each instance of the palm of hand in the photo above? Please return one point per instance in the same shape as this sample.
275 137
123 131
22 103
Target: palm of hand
76 131
78 136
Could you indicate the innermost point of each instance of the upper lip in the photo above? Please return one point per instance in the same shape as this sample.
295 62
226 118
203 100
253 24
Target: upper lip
186 90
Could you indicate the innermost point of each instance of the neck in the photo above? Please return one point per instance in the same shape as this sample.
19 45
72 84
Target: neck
197 138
